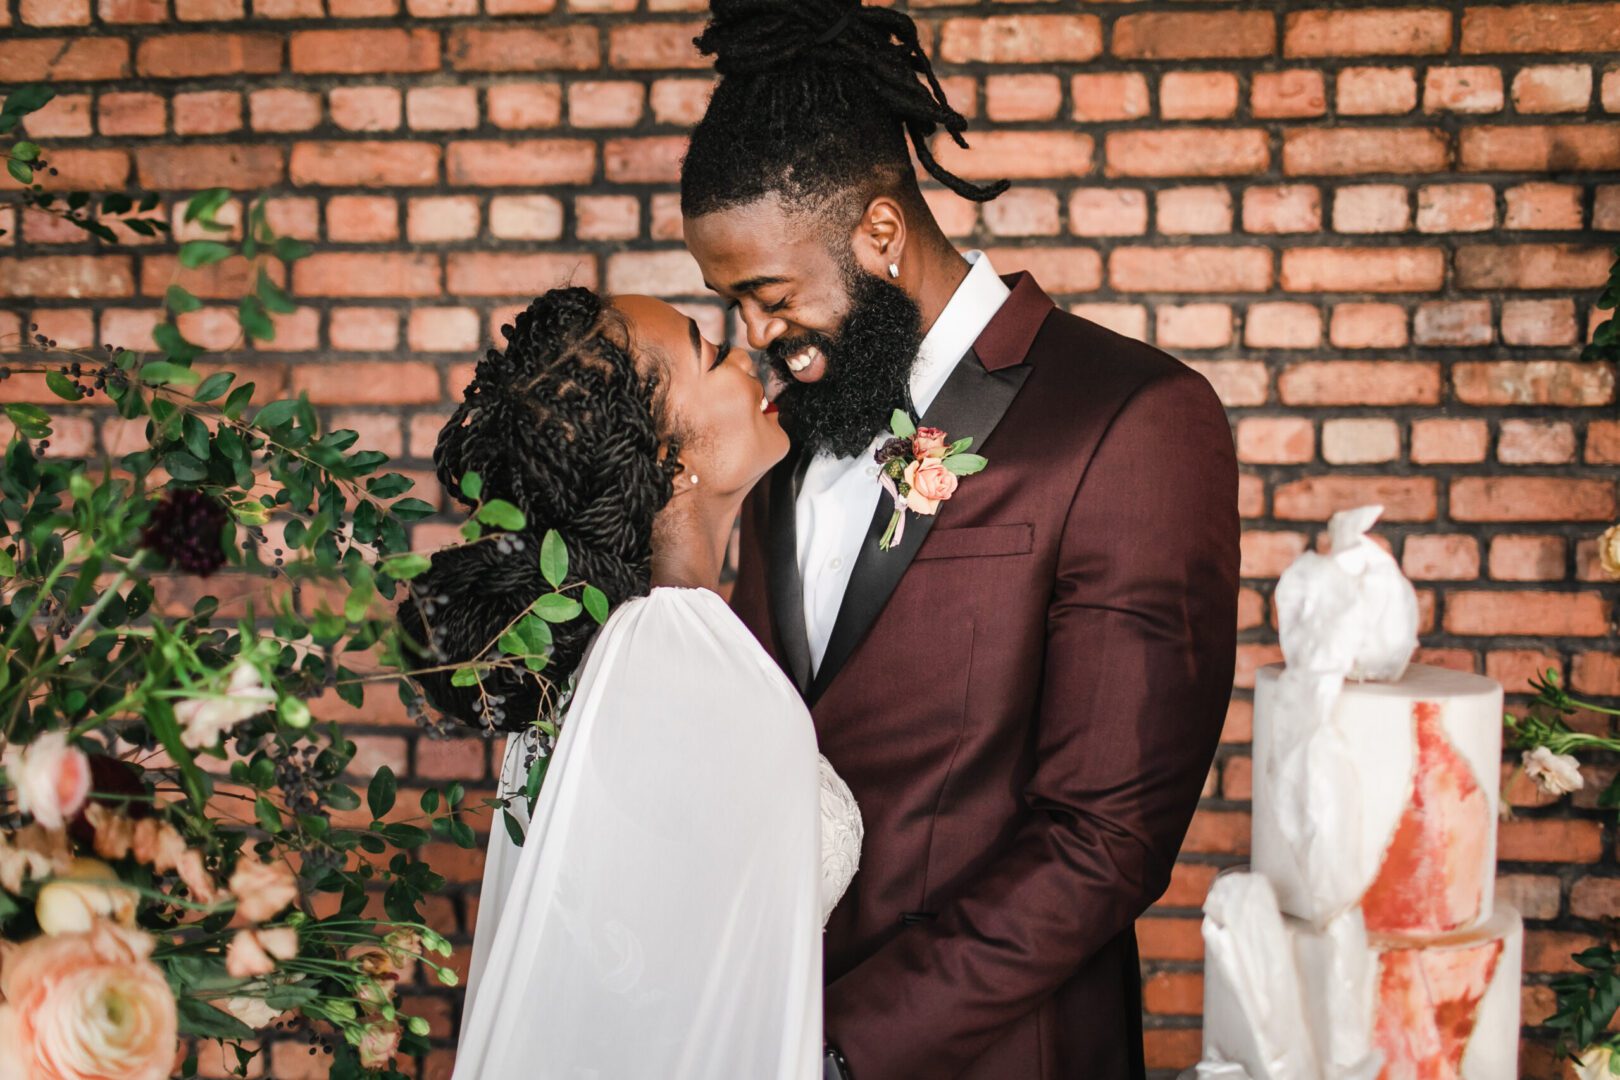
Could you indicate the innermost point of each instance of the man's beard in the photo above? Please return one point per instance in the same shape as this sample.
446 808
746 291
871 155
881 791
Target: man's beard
869 362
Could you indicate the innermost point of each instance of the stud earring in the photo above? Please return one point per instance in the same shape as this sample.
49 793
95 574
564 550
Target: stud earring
694 479
894 270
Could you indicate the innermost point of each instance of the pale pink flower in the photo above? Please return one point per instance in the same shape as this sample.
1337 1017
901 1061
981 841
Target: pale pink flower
929 442
52 779
931 483
378 1043
89 1006
203 720
262 889
254 952
1556 774
90 890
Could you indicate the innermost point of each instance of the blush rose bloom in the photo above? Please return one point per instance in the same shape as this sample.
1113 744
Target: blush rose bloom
931 483
254 952
88 1006
262 889
929 441
90 890
52 779
1555 774
378 1043
203 720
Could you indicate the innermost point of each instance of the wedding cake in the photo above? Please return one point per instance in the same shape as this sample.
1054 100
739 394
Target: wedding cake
1364 942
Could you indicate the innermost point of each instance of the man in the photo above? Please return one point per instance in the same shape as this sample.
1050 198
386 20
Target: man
1026 690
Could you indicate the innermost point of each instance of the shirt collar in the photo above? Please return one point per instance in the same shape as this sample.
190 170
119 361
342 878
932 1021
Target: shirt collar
970 309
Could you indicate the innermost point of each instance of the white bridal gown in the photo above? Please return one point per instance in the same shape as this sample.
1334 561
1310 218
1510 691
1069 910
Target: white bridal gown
663 917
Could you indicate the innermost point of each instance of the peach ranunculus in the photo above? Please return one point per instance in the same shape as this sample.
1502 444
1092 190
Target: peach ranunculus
203 720
929 442
88 1006
254 952
52 779
90 890
378 1044
31 853
931 483
262 889
1609 551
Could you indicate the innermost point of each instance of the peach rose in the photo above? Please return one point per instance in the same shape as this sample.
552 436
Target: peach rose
931 483
378 1043
254 952
928 442
262 889
1609 551
88 1006
90 890
52 779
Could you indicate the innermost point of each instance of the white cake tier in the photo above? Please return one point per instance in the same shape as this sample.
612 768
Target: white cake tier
1391 804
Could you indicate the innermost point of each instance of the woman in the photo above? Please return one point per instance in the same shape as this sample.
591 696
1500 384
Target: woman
661 918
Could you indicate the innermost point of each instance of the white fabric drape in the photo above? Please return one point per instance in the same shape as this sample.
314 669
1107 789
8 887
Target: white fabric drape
662 918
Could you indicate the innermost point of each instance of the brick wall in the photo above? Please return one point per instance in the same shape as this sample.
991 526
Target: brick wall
1378 231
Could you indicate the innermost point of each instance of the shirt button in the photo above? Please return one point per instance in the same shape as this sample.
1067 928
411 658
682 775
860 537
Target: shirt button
835 564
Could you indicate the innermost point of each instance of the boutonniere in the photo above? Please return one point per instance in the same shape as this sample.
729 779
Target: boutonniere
920 470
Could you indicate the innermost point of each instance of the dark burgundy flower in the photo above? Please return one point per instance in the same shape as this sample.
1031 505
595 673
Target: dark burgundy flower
186 529
893 450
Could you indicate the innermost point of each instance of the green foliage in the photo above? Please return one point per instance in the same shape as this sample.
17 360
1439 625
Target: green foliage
1605 344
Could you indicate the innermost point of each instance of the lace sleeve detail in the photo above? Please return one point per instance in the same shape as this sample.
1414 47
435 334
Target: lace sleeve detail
841 835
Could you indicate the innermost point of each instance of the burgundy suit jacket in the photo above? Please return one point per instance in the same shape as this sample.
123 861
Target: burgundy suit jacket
1024 697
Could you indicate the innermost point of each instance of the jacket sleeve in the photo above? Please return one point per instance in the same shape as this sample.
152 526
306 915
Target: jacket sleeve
1138 669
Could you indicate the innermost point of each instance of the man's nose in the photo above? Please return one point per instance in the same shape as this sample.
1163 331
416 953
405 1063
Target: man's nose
762 329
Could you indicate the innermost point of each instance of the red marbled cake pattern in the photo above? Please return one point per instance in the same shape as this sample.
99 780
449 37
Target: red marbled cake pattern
1433 877
1428 1001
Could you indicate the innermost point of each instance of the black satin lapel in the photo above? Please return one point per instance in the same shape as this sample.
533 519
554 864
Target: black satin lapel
971 403
786 587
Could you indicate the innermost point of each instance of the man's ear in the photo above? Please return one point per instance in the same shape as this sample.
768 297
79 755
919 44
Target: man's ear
879 242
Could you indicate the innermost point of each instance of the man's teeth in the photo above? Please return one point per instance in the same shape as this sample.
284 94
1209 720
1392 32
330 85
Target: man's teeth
804 359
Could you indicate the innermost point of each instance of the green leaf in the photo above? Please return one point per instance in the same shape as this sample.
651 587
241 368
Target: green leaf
410 509
174 345
965 464
275 414
959 446
472 485
195 434
8 564
180 300
288 250
556 608
512 644
273 296
27 99
514 828
255 321
239 400
389 485
25 151
381 791
196 253
900 424
61 386
554 559
185 467
294 712
116 203
406 836
596 602
201 1019
213 386
407 566
498 513
269 817
363 591
205 204
466 676
19 172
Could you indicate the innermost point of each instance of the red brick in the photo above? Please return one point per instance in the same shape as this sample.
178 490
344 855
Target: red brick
521 163
644 161
1360 440
1556 148
1456 208
1453 322
90 170
66 116
565 48
192 56
1542 28
1268 554
1171 939
1317 498
1596 673
1164 35
1224 832
1187 152
1275 440
1354 151
1514 668
1111 96
1193 326
284 109
362 219
1372 208
211 112
1531 498
1063 270
1538 322
1127 319
62 60
1376 91
607 217
525 217
1360 382
1367 32
1107 211
1534 382
1440 558
356 329
541 7
208 10
1193 211
526 276
442 329
1237 778
1539 205
1463 90
1552 88
70 328
1190 269
298 218
193 166
286 9
1363 269
1018 155
1198 95
605 104
1282 325
364 382
438 9
54 12
365 164
1174 993
1171 1048
1521 613
1289 208
679 101
657 273
390 274
77 276
1287 94
525 105
1023 212
366 108
1527 558
1603 442
134 11
1236 382
441 108
645 46
1611 90
130 114
1595 898
1023 39
1022 97
1536 442
357 52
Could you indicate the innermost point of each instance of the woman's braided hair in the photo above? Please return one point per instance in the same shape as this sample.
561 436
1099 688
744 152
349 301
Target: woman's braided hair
563 426
816 99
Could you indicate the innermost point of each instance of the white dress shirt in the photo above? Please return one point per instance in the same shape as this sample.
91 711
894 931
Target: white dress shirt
838 495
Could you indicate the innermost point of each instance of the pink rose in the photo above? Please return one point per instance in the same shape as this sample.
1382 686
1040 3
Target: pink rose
89 1006
262 889
51 778
252 953
931 483
378 1044
928 442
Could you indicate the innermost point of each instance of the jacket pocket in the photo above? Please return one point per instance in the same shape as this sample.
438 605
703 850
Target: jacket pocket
978 542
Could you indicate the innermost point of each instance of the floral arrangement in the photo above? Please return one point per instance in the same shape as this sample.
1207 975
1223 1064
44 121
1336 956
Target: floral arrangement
181 855
921 469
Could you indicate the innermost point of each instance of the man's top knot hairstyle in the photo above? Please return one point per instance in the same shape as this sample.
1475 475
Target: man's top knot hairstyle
815 102
564 426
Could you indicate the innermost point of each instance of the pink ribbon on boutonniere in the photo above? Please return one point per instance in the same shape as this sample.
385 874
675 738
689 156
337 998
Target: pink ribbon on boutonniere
920 469
897 525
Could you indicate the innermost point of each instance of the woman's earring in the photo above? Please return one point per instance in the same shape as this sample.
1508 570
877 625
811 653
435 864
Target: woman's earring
694 479
894 270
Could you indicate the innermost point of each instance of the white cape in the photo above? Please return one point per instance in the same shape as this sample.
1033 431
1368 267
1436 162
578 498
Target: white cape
662 918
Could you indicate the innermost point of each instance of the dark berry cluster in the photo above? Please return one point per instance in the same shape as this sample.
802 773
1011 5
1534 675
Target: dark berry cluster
297 779
186 529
